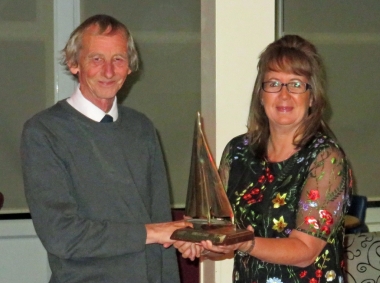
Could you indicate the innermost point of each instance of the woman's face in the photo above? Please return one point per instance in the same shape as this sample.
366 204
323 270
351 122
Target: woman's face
285 110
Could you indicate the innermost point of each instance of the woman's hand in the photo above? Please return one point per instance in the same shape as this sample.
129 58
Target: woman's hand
226 249
188 249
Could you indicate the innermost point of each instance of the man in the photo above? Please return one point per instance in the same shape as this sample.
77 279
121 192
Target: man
97 192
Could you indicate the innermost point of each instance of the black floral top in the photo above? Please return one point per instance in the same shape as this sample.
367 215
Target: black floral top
308 192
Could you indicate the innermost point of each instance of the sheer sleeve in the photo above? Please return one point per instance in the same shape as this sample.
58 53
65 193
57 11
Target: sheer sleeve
322 202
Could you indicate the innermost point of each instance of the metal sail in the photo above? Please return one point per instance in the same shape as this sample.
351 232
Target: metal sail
206 197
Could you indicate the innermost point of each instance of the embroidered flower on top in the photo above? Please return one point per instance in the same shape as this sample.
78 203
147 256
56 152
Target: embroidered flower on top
253 196
330 275
326 217
279 225
279 200
318 273
312 222
303 274
325 230
313 195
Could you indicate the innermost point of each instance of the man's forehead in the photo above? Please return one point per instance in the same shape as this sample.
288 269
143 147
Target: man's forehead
95 29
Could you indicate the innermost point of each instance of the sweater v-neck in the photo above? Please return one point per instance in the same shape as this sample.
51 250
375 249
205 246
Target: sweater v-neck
76 115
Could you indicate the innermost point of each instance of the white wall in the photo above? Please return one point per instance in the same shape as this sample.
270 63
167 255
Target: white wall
346 34
372 219
233 35
23 258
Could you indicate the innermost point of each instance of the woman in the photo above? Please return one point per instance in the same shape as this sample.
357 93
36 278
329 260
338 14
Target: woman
286 177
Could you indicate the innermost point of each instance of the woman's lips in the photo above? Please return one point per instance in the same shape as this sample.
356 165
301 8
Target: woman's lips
284 108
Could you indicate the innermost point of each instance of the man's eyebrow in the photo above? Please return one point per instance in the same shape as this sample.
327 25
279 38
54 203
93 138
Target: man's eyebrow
94 54
125 55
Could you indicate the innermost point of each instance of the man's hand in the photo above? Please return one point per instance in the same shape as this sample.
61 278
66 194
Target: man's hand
159 233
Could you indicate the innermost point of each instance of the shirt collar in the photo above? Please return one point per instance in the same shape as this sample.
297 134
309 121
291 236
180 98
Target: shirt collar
90 110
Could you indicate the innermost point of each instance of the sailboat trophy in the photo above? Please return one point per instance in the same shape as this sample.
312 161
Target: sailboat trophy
206 202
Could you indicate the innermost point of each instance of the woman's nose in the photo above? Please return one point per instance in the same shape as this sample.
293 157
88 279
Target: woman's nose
284 93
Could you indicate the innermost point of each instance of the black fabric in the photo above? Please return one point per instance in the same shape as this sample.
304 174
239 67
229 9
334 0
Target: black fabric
312 186
107 119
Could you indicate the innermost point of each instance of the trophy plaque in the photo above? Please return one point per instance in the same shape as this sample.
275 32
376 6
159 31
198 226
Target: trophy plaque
206 202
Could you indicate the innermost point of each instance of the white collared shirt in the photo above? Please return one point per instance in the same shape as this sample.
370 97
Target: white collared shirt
90 110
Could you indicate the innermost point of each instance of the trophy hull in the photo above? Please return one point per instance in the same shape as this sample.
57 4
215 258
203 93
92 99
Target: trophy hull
218 232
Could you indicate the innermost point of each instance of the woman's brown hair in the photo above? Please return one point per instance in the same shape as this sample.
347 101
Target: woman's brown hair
290 54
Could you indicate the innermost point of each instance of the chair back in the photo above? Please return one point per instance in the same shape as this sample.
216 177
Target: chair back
358 209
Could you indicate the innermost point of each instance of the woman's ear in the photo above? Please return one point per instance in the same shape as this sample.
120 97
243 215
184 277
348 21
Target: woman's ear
311 101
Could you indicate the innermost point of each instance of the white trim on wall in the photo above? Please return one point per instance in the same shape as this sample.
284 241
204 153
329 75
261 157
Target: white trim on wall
66 19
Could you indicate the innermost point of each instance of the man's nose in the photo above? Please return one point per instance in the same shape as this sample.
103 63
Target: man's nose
108 69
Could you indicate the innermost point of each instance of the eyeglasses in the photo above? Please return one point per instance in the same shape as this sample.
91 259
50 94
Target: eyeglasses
292 87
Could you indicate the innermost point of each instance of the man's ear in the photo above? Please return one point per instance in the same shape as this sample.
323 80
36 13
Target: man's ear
74 69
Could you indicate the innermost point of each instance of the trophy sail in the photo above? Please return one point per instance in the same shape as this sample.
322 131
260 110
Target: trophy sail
206 197
207 203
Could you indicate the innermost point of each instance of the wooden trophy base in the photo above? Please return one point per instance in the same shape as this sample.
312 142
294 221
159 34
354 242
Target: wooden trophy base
219 232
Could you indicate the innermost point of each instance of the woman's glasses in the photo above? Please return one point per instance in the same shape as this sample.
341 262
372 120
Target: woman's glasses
292 87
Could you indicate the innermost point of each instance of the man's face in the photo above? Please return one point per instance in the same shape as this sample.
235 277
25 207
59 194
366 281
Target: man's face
102 66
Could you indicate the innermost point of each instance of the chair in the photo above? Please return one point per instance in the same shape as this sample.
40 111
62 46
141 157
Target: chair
361 257
358 209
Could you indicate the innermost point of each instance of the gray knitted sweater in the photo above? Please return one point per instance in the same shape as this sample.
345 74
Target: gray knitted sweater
91 187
